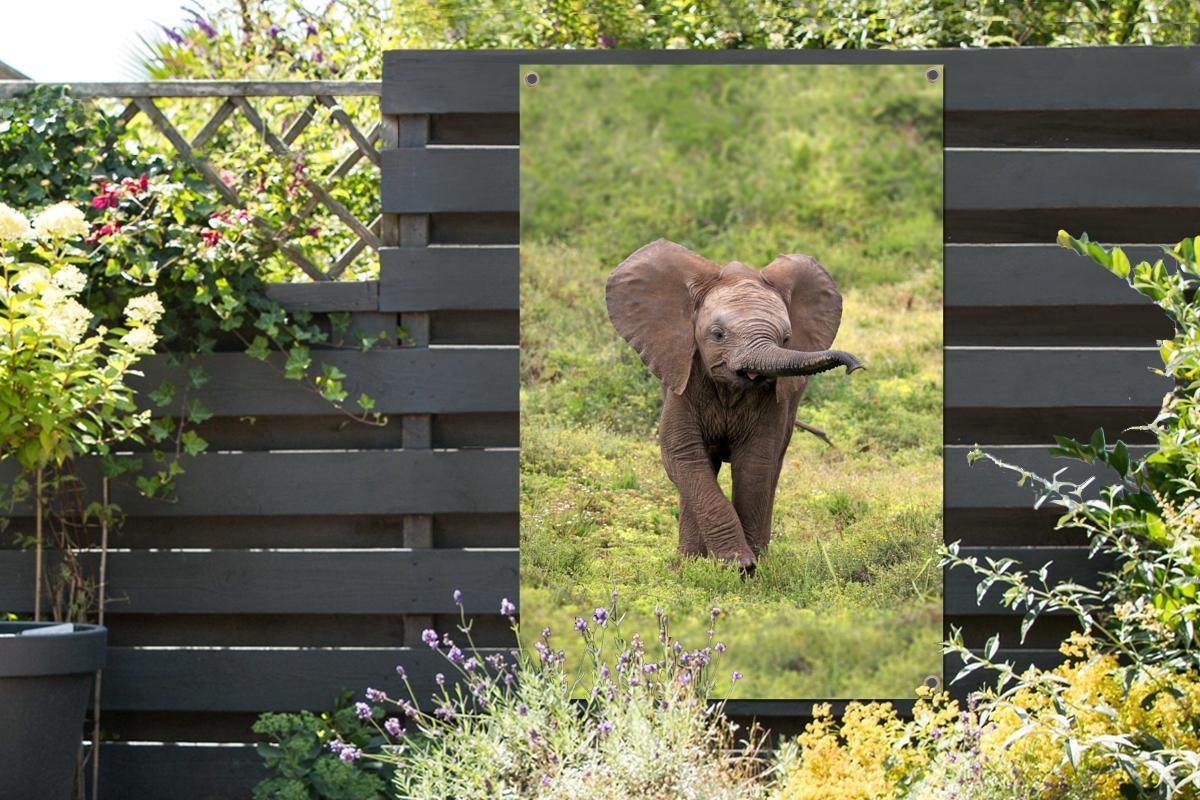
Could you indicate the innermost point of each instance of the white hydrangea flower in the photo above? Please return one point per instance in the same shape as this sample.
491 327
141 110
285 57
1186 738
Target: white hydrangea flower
13 225
145 310
141 339
32 279
60 221
69 321
70 279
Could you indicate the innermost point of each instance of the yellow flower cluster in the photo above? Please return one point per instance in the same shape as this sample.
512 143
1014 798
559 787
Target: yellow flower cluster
1163 705
1019 742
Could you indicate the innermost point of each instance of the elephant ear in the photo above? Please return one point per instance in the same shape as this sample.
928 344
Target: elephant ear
814 307
651 301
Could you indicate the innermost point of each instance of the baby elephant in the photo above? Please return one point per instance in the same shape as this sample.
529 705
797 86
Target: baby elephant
732 347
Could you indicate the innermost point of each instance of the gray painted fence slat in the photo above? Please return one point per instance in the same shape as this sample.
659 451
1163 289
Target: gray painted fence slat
449 179
283 679
984 485
400 380
327 296
1037 378
1037 275
328 482
416 581
179 772
1026 79
441 278
1025 179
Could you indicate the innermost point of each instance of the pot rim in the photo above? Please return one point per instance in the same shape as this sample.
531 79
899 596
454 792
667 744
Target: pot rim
69 653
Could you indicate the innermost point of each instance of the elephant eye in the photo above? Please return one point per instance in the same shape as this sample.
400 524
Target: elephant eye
717 334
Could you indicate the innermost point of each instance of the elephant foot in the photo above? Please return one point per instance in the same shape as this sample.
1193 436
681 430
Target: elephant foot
746 562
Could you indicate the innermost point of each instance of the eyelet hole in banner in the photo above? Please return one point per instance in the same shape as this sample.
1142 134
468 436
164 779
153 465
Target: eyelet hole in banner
531 79
933 74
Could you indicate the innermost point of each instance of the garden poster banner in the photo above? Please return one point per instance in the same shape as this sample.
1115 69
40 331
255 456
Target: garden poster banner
731 365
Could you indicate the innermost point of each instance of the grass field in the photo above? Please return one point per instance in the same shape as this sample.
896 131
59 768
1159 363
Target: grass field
842 163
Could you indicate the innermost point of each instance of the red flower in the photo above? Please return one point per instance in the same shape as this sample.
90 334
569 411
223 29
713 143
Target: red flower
100 201
210 237
144 182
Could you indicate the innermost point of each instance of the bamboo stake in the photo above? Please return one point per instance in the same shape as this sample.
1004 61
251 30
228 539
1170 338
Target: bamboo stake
37 558
100 619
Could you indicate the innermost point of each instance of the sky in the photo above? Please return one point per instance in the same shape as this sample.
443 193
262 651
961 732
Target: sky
80 40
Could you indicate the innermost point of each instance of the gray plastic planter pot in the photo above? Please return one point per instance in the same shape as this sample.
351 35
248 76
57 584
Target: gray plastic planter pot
45 680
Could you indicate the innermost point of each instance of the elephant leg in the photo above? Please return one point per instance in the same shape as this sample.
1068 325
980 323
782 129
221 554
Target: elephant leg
701 501
756 465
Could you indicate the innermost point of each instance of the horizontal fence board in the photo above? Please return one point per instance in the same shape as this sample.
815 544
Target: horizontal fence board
420 180
984 485
475 327
1038 79
140 679
1073 128
1043 378
180 772
475 129
1038 275
1152 224
1030 425
448 278
1001 180
400 380
326 296
1056 326
322 483
397 581
1065 563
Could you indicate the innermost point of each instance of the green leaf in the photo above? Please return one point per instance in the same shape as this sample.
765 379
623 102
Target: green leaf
258 348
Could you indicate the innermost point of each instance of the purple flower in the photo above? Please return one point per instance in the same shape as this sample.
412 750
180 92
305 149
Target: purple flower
311 30
350 754
204 26
546 632
600 615
273 31
440 679
604 728
649 668
608 42
445 713
172 34
470 665
685 677
457 597
507 608
455 655
400 671
376 696
362 710
393 727
716 612
720 648
336 746
736 676
522 710
580 624
545 780
429 636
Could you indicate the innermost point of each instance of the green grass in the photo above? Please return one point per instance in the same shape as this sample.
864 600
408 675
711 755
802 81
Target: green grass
739 163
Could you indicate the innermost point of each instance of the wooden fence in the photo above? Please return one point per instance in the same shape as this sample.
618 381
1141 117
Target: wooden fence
304 555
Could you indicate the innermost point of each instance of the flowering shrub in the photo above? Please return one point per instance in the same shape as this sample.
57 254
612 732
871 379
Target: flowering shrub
64 380
635 722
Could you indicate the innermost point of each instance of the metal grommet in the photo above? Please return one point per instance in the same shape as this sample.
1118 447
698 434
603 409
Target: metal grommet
933 74
532 79
932 682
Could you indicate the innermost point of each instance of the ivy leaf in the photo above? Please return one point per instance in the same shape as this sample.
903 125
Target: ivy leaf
258 348
164 394
197 412
192 443
298 361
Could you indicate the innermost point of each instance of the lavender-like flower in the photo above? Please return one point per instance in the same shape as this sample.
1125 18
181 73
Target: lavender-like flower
362 710
457 597
376 696
393 727
173 34
455 655
350 754
737 676
429 636
273 31
720 647
685 677
401 672
604 728
716 612
439 679
522 710
445 713
580 624
336 746
470 665
507 608
600 615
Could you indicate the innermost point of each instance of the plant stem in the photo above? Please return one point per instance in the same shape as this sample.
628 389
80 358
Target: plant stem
37 548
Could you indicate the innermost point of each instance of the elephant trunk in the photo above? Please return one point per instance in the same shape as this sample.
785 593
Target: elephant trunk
776 362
